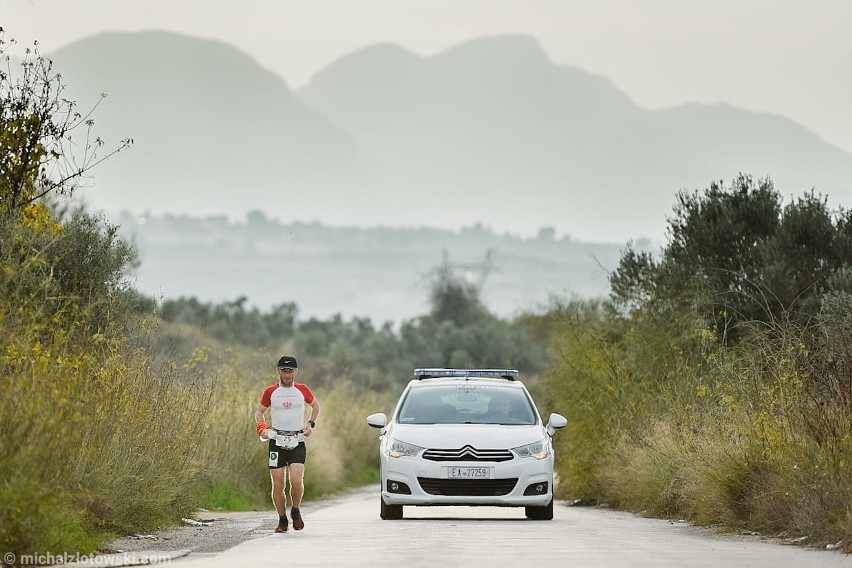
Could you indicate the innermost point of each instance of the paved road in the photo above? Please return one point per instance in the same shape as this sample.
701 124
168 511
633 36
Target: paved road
348 532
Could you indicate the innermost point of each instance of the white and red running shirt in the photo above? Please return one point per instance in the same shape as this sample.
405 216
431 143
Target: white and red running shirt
287 405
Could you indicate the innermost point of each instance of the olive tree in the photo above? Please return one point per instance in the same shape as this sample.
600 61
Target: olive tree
739 255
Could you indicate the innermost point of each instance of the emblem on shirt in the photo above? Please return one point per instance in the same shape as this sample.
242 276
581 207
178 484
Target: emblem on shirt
287 405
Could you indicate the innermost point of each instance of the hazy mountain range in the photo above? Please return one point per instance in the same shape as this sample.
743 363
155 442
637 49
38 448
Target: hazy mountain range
488 131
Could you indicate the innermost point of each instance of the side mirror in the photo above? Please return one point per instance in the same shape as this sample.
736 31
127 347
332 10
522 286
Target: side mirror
377 420
556 422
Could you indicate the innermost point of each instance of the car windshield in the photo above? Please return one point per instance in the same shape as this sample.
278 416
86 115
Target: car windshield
467 403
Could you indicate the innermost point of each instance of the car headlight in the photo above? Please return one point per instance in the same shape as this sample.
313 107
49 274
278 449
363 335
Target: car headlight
537 450
397 449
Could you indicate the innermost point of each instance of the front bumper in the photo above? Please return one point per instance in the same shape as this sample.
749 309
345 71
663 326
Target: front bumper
424 482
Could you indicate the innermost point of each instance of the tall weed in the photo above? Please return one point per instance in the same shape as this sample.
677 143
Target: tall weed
95 434
342 451
667 419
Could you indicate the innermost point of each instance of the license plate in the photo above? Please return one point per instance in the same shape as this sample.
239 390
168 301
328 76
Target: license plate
469 472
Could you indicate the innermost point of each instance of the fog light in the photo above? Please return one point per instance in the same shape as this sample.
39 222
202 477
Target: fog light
539 488
398 487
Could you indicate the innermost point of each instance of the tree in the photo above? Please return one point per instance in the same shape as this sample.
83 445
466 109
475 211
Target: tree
738 255
454 300
801 260
40 150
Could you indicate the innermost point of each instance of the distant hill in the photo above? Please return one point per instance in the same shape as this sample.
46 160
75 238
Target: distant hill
384 274
489 131
494 121
762 144
213 131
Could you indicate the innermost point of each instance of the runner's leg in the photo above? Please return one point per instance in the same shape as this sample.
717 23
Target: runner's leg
278 496
297 483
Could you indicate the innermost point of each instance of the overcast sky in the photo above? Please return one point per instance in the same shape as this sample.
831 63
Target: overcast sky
787 57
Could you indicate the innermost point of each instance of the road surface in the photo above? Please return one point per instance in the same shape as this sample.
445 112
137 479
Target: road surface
348 532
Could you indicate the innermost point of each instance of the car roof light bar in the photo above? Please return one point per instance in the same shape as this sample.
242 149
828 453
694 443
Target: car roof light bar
510 374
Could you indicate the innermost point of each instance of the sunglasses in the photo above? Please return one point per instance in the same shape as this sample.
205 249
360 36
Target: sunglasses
287 369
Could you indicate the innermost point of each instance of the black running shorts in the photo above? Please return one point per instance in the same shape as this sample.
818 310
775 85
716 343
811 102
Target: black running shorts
279 457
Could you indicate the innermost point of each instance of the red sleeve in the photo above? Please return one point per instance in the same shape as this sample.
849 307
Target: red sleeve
266 399
306 392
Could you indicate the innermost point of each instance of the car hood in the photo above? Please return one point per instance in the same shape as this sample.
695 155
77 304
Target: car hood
480 436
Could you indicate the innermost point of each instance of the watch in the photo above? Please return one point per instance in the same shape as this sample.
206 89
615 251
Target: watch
312 423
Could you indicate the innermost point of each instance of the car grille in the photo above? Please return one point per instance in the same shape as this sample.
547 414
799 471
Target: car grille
467 487
467 453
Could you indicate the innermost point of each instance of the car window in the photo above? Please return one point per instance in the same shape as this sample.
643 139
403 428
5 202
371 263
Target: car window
466 404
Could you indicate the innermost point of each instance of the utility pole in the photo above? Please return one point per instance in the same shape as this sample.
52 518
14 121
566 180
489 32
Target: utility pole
484 268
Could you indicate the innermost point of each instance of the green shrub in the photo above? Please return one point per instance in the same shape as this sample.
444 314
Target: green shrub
91 415
756 435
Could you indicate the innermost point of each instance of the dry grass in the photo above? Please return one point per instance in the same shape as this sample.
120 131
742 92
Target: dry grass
103 431
341 452
757 436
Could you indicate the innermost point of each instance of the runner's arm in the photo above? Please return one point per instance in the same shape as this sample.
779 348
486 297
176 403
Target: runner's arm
315 410
259 415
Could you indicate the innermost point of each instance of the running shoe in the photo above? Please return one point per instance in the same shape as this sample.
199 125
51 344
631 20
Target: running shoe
298 523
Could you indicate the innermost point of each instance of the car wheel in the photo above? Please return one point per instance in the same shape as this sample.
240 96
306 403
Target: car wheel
390 512
540 513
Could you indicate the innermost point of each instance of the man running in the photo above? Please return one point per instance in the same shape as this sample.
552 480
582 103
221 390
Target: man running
286 401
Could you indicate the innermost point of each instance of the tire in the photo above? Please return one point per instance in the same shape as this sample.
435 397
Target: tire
540 513
390 512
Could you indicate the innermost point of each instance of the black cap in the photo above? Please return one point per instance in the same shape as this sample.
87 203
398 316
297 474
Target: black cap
287 362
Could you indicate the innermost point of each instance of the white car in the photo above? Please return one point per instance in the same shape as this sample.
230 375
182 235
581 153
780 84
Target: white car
466 437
